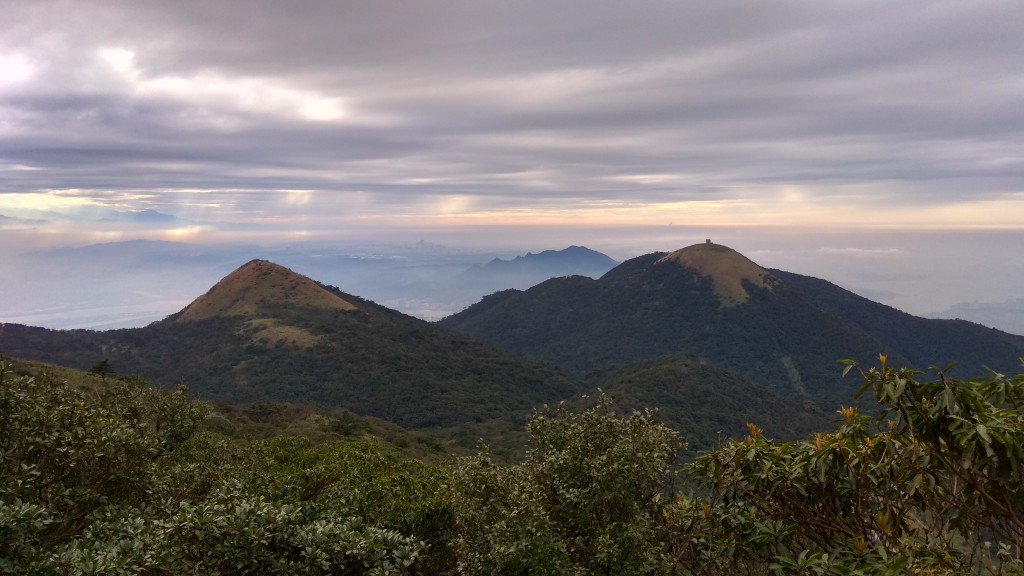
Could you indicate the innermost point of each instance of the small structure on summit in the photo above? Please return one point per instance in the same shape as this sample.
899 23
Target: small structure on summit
725 267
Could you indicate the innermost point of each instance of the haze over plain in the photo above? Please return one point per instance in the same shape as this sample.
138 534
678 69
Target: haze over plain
878 145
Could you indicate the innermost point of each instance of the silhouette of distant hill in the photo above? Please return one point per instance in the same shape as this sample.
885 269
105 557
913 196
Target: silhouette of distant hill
525 271
1007 316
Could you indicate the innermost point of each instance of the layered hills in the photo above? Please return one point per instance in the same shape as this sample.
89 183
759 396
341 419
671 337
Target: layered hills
781 330
710 338
265 333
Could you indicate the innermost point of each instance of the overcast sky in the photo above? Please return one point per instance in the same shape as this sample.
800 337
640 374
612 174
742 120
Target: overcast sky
234 118
850 140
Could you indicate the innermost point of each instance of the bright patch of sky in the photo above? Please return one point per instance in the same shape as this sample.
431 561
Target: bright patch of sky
249 95
14 69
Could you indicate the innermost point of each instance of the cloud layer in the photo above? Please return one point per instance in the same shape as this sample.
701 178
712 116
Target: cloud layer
308 117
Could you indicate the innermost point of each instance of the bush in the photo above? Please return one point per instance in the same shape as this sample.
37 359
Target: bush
116 481
932 485
587 499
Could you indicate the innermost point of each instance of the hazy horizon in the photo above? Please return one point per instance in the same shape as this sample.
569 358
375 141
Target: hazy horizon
128 284
877 145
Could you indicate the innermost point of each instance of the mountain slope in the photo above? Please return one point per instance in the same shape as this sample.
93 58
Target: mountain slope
265 333
710 301
707 404
258 283
922 341
260 420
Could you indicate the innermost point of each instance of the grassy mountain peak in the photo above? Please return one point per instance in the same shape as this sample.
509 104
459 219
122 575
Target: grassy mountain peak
266 334
257 284
725 267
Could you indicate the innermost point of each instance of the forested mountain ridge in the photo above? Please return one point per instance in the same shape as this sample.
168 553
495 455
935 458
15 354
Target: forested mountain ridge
256 421
265 333
710 301
923 341
692 333
708 404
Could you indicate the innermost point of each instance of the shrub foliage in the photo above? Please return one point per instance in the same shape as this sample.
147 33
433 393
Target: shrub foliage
932 485
114 480
586 500
118 478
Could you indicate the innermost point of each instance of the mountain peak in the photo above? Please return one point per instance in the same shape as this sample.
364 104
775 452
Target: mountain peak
258 283
726 268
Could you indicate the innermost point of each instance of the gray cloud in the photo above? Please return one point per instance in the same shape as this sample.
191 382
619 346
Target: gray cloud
384 107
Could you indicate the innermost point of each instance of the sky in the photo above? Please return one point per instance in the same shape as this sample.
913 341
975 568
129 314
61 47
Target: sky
487 122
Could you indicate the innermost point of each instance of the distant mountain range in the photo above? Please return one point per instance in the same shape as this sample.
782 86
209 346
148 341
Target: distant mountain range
525 271
1007 316
12 221
703 334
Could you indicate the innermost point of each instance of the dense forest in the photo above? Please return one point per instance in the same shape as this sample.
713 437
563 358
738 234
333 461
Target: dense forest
782 330
106 475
